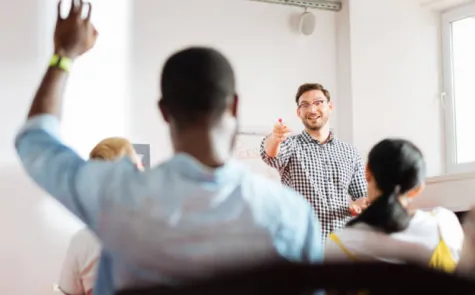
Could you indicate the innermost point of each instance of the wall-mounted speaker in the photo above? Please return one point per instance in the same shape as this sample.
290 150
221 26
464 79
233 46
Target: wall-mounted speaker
307 23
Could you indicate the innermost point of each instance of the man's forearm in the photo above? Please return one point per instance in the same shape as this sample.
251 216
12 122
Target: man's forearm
49 96
271 146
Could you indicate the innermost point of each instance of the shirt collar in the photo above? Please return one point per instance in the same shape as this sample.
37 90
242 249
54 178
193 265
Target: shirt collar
308 138
191 167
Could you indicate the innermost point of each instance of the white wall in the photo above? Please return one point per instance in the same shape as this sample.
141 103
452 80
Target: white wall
97 104
454 192
19 67
271 59
35 229
23 208
395 75
345 109
442 4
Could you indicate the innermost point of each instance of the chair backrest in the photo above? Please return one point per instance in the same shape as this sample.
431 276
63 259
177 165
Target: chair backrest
294 279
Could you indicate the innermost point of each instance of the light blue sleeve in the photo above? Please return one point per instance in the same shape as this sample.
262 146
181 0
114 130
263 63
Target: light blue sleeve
79 185
313 250
300 231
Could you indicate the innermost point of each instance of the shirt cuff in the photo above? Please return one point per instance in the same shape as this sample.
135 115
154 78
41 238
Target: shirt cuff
264 155
272 161
45 122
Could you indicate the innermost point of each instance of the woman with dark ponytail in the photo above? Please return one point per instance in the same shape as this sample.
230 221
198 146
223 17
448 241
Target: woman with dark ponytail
387 230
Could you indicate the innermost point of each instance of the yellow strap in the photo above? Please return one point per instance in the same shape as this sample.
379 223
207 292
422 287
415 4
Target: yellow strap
343 248
61 62
441 258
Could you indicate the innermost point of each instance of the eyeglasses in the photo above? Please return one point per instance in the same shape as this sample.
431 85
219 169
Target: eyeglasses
317 104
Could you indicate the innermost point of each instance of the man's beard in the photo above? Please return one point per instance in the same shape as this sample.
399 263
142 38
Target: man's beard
315 127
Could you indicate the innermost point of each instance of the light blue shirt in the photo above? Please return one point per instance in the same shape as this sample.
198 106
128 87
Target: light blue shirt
176 222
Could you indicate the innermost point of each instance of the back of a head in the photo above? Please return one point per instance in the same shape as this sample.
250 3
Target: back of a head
396 162
197 84
397 166
112 148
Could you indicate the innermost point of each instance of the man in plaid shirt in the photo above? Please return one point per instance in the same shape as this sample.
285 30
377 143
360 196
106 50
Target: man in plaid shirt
325 170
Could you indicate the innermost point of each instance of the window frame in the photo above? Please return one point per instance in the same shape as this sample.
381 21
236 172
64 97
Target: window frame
448 17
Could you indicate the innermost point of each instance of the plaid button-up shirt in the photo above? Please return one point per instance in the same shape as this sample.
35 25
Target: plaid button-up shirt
324 173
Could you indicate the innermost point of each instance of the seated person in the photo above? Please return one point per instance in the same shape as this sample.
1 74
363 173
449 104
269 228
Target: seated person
387 230
78 273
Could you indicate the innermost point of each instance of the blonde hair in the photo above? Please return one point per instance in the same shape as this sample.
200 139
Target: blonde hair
112 148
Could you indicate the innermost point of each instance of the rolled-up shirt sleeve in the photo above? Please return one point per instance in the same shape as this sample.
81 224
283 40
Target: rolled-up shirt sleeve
282 159
79 185
358 187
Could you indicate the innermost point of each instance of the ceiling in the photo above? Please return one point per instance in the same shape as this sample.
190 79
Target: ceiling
334 5
443 4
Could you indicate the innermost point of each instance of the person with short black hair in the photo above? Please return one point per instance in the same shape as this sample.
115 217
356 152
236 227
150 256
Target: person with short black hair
388 230
198 214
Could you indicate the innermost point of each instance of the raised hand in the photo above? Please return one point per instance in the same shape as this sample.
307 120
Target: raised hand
74 35
280 132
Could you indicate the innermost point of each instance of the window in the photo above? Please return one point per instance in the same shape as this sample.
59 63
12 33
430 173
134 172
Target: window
459 85
96 97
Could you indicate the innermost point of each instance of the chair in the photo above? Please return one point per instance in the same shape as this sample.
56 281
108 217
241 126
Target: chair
297 279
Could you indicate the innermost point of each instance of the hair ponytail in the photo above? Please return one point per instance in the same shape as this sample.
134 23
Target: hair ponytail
386 213
397 166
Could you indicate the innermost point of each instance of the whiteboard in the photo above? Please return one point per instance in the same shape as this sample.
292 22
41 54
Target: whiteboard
247 152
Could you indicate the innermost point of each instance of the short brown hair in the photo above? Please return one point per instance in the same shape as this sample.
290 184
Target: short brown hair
112 148
309 87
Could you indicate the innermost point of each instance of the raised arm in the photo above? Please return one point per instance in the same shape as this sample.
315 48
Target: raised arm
73 36
77 184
